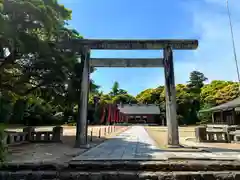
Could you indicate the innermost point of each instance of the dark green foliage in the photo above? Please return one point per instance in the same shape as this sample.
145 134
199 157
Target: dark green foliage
18 111
40 81
40 113
5 108
196 82
3 147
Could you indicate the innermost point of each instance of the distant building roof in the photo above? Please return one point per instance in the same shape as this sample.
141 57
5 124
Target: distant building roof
139 109
225 106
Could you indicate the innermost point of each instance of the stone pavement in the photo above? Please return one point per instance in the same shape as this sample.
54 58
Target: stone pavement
136 144
131 144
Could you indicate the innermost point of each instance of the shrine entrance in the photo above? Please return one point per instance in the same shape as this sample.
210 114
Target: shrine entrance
84 48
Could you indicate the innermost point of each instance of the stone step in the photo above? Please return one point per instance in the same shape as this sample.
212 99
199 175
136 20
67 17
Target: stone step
164 166
120 175
156 165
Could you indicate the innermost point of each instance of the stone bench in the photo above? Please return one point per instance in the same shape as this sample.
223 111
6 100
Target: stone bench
14 138
30 135
216 133
235 136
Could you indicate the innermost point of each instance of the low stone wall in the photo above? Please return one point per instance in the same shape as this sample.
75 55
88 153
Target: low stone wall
215 133
30 135
13 138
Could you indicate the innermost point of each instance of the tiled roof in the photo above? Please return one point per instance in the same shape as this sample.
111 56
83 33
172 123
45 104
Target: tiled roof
139 109
225 106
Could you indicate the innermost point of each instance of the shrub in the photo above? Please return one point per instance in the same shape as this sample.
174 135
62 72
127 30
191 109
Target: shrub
3 148
18 111
5 108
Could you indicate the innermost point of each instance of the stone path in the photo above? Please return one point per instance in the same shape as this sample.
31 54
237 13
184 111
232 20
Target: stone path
136 144
132 144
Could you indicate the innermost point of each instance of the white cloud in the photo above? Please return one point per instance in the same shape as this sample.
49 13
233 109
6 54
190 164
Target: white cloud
214 56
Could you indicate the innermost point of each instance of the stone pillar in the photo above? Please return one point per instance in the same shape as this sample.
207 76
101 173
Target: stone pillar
171 111
57 133
201 133
81 133
29 130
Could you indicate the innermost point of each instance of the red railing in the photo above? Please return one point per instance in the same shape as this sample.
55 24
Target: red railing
111 114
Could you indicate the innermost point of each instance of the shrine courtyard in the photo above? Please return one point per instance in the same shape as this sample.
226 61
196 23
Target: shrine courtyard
121 153
122 143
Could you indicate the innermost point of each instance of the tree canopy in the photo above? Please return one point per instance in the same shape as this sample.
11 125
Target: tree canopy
33 67
40 81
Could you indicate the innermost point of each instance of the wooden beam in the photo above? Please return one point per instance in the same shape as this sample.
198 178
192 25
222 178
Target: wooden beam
140 44
126 62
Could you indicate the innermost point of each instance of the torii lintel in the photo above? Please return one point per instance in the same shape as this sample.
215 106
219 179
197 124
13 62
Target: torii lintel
141 44
126 62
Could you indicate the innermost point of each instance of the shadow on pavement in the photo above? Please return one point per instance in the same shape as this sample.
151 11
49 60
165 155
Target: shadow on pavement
126 147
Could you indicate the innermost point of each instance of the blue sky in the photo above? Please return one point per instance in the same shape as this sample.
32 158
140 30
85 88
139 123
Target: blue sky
205 20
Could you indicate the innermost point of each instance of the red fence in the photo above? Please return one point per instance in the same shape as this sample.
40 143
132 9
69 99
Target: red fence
111 115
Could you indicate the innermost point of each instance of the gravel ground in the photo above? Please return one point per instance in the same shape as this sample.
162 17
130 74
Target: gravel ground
159 134
42 152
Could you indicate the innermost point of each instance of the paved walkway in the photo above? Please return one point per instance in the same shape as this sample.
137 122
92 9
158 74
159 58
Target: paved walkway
136 144
133 143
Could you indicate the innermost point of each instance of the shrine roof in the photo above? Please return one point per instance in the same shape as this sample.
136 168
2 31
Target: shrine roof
139 109
225 106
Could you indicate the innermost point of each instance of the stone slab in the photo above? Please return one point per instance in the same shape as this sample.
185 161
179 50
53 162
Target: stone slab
126 62
122 175
127 44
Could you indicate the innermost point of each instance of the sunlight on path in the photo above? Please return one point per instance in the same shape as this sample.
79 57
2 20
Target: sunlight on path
136 144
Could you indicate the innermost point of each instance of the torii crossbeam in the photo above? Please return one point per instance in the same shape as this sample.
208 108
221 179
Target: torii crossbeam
134 44
83 46
126 62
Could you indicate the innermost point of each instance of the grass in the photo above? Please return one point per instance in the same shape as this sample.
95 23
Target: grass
159 135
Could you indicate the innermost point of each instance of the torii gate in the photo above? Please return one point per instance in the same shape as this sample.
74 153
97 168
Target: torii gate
166 62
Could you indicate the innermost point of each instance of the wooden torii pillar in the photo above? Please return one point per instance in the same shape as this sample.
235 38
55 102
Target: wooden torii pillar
166 62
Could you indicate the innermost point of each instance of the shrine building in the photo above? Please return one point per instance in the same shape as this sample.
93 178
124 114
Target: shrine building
139 113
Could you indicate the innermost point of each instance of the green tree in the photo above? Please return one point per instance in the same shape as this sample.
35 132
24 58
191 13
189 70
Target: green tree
151 96
196 81
37 67
124 98
115 89
218 92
